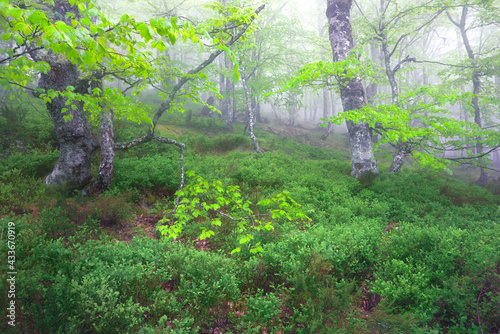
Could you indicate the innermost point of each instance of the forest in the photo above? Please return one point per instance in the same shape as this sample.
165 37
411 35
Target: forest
244 166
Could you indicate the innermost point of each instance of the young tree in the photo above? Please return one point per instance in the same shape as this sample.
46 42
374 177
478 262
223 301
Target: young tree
474 17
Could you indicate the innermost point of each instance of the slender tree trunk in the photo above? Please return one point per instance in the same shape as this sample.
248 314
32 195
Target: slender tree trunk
402 149
476 85
372 88
106 168
229 88
326 114
251 119
256 108
314 112
276 113
326 109
352 92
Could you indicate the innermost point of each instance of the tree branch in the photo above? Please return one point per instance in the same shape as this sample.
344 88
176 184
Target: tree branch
416 30
166 104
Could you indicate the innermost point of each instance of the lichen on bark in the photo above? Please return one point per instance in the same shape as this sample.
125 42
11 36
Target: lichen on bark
352 92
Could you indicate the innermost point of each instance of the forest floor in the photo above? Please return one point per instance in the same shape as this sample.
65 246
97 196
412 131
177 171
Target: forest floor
415 252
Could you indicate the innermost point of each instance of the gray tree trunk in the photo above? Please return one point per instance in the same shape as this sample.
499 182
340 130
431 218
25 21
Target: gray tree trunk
251 120
226 103
352 92
476 85
75 136
106 168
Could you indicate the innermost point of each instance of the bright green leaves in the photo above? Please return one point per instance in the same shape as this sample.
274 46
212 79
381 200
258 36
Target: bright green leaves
123 50
144 31
423 127
211 205
317 75
89 45
167 28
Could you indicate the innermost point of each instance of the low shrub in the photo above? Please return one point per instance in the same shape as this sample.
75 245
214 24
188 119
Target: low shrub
18 192
154 171
34 163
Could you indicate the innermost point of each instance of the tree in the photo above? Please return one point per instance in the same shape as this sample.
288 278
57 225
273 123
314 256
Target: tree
352 91
415 121
75 48
478 68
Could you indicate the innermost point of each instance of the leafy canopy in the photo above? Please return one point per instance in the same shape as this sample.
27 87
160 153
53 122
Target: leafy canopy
102 49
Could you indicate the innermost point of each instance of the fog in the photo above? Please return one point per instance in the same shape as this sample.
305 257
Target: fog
428 62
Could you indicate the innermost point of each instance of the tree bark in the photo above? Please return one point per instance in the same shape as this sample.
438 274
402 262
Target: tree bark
256 108
352 91
326 114
75 136
106 168
251 119
401 152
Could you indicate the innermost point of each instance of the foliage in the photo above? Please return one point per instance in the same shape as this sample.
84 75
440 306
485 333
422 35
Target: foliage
427 141
425 243
216 205
155 170
90 40
34 163
262 313
18 191
440 255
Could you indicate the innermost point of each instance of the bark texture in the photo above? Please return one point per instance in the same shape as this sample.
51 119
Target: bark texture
75 136
106 168
352 92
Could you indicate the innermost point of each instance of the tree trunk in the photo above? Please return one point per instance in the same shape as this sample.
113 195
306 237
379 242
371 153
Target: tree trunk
352 92
251 120
401 152
106 168
229 88
372 88
75 136
476 85
326 114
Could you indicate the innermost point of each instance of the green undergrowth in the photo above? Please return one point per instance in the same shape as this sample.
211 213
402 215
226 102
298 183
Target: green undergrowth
413 252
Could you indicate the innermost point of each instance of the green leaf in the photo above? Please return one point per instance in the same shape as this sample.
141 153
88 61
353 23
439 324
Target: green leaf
7 36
